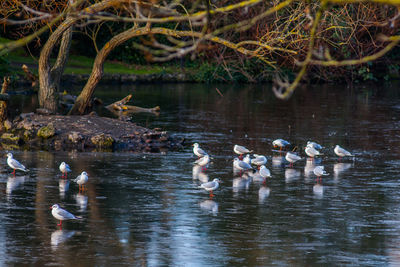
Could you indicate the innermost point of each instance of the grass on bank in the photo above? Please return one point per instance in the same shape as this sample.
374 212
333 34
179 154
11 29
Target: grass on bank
80 64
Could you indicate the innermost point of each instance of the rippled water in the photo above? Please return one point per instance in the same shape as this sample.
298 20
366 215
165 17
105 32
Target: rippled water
147 209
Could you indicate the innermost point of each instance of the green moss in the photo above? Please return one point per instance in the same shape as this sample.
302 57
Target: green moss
46 131
7 125
28 134
102 140
10 137
10 147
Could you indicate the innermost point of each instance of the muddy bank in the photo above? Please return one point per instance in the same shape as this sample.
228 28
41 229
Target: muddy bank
83 133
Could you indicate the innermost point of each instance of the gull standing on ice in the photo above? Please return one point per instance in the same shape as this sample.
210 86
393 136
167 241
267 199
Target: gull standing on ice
311 151
247 159
259 160
211 186
264 172
314 145
240 150
292 158
65 169
14 164
319 171
61 214
280 143
81 180
198 151
341 152
241 165
203 161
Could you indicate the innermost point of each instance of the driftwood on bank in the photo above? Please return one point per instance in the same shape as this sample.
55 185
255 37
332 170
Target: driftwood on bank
120 105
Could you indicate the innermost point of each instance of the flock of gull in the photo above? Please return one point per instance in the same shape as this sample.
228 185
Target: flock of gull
243 164
57 212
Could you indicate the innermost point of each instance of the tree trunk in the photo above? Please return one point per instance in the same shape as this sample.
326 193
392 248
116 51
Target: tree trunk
3 103
49 78
63 52
83 100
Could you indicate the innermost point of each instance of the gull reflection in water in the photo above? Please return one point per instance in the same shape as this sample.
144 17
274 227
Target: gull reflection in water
291 175
81 201
195 171
339 168
242 182
309 169
199 175
257 178
13 182
60 236
318 190
63 186
277 161
263 194
210 206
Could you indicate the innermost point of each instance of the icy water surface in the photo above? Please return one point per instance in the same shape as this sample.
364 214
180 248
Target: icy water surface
147 209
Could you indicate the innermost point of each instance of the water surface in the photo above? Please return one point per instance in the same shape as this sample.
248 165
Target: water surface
147 209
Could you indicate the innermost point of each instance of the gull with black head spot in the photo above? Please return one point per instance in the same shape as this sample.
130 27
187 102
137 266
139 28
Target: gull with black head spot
241 165
62 215
198 151
292 158
319 171
341 152
15 164
280 143
211 186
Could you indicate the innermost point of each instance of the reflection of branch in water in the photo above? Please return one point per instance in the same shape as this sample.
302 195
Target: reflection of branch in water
135 109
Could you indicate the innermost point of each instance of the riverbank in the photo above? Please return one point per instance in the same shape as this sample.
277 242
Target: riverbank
78 69
31 131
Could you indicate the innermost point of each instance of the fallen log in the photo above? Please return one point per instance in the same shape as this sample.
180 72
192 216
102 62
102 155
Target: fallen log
136 109
120 105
